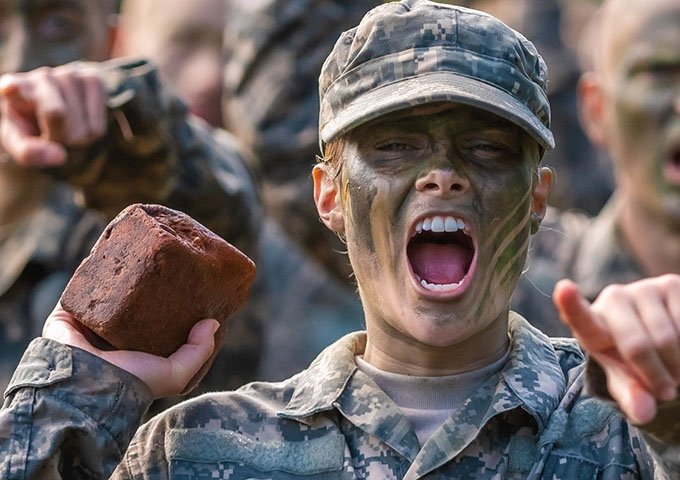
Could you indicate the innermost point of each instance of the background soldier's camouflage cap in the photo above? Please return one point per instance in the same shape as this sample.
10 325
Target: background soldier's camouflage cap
415 52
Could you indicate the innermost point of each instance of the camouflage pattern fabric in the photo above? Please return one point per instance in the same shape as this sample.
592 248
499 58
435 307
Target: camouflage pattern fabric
274 50
589 251
416 52
531 421
153 153
59 387
308 307
37 258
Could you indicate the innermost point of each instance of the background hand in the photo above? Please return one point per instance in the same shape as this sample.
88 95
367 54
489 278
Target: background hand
163 376
46 110
633 332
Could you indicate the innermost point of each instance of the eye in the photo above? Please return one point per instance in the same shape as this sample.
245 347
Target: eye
485 148
491 150
394 146
657 69
59 25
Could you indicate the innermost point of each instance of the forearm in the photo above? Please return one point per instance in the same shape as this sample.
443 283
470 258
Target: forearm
67 414
154 152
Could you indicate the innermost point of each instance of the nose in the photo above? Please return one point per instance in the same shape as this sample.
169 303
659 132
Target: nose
444 181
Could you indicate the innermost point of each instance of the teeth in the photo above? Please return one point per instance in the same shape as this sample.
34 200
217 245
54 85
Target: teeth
439 288
441 224
437 224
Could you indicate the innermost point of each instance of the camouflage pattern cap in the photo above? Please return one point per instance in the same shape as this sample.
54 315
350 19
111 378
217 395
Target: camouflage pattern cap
415 52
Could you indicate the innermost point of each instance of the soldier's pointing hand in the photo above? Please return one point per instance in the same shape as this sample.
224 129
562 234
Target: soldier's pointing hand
633 332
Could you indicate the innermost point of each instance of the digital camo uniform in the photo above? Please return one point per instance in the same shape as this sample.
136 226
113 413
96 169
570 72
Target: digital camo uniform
151 154
530 421
155 153
274 50
589 251
37 258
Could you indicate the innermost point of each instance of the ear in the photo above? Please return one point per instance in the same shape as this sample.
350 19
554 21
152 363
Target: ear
591 106
539 197
327 199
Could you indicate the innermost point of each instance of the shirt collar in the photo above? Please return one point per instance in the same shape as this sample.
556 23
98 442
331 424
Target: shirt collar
532 374
319 386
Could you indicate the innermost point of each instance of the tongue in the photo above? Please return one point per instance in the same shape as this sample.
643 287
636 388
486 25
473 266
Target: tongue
440 263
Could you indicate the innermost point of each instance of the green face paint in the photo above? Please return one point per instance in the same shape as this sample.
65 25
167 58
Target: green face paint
39 33
461 163
641 81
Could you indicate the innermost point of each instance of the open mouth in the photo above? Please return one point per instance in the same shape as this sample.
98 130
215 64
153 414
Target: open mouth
672 168
441 253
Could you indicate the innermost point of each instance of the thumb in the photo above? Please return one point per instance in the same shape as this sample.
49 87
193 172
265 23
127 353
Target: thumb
191 356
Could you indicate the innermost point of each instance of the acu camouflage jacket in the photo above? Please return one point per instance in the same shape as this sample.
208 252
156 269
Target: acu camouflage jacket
531 421
153 152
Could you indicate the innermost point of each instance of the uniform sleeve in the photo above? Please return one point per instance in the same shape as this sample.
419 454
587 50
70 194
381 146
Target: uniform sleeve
67 415
656 443
155 152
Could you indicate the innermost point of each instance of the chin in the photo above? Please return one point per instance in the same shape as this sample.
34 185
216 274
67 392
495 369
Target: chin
440 330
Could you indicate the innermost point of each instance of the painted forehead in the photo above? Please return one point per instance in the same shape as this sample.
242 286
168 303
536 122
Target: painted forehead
444 110
625 22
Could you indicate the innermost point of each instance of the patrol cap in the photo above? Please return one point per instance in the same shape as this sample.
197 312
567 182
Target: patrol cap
416 52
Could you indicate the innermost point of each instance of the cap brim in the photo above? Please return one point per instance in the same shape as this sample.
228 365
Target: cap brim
431 88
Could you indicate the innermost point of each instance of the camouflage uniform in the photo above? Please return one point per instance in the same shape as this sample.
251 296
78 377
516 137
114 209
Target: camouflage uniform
533 420
308 308
153 153
589 251
273 54
37 259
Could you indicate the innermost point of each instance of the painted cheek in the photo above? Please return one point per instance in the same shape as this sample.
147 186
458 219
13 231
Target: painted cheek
503 246
639 116
359 194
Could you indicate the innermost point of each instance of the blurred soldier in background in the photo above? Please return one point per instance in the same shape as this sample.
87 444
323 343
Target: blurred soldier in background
43 232
183 39
631 109
101 136
274 50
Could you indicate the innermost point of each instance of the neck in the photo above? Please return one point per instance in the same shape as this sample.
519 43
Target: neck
649 238
21 190
391 351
